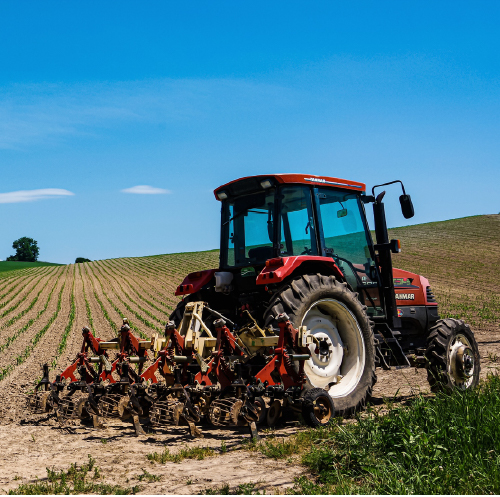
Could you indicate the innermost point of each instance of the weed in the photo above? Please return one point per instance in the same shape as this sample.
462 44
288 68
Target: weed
186 453
72 481
223 447
33 438
222 490
243 489
148 476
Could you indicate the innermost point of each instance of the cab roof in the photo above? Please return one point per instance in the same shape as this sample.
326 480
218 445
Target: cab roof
250 184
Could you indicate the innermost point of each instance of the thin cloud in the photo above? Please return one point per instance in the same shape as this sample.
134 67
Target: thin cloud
32 195
146 190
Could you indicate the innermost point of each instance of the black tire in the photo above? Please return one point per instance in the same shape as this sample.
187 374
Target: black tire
449 365
298 298
318 408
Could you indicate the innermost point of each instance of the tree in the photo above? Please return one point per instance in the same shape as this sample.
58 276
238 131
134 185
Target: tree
81 259
26 250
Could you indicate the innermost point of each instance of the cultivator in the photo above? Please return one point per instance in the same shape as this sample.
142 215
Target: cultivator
198 375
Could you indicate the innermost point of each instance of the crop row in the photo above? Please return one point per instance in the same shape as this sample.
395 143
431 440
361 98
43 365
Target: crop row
67 330
118 310
12 338
27 351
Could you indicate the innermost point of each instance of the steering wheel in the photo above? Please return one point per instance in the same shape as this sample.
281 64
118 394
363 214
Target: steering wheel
307 251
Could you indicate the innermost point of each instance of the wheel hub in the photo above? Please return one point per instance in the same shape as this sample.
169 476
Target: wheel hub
337 354
461 361
326 358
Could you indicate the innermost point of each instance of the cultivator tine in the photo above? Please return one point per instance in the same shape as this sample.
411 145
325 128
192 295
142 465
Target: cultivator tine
40 401
137 425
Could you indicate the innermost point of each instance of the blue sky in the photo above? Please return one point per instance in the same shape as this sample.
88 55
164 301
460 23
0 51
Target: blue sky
101 97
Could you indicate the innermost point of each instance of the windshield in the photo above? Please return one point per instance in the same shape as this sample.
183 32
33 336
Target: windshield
248 225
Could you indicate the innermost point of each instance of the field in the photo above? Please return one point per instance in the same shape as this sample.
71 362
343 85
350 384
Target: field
42 310
12 265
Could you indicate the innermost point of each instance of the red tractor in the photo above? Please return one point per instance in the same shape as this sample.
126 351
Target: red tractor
300 246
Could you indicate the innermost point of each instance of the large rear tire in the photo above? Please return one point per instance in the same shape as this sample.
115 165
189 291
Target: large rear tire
345 363
452 356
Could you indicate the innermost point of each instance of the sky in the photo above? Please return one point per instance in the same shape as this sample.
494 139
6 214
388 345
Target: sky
118 119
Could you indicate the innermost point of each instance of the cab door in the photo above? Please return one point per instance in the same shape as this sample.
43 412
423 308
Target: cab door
344 236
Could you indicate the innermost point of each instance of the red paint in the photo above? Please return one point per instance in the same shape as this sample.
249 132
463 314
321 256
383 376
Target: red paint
194 282
419 293
304 179
285 266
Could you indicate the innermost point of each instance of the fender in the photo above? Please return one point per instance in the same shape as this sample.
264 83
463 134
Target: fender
279 268
194 282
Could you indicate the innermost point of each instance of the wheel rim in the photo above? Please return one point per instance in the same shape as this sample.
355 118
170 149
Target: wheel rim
461 364
341 358
322 410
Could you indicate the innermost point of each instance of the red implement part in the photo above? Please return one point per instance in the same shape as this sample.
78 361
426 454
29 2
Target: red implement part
226 346
82 359
280 368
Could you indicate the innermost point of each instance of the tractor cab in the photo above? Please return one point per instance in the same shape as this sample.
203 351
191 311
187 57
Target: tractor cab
275 217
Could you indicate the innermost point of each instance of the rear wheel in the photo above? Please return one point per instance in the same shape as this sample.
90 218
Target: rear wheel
452 356
344 362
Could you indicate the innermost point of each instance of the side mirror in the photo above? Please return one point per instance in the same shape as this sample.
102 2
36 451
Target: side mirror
406 206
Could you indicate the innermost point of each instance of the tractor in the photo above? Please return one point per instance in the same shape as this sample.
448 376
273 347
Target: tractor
300 246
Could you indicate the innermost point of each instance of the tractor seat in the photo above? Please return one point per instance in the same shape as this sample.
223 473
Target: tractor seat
260 254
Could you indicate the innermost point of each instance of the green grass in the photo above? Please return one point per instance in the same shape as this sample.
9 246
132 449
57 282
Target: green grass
76 480
13 265
448 444
242 489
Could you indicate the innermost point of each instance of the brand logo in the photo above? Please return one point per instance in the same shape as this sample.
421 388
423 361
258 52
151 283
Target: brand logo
317 180
321 180
405 296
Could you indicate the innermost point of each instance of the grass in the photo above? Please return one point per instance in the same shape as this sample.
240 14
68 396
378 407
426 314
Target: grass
186 453
242 489
76 480
448 444
13 265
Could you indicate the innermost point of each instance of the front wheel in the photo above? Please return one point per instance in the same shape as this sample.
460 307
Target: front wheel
342 359
452 356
